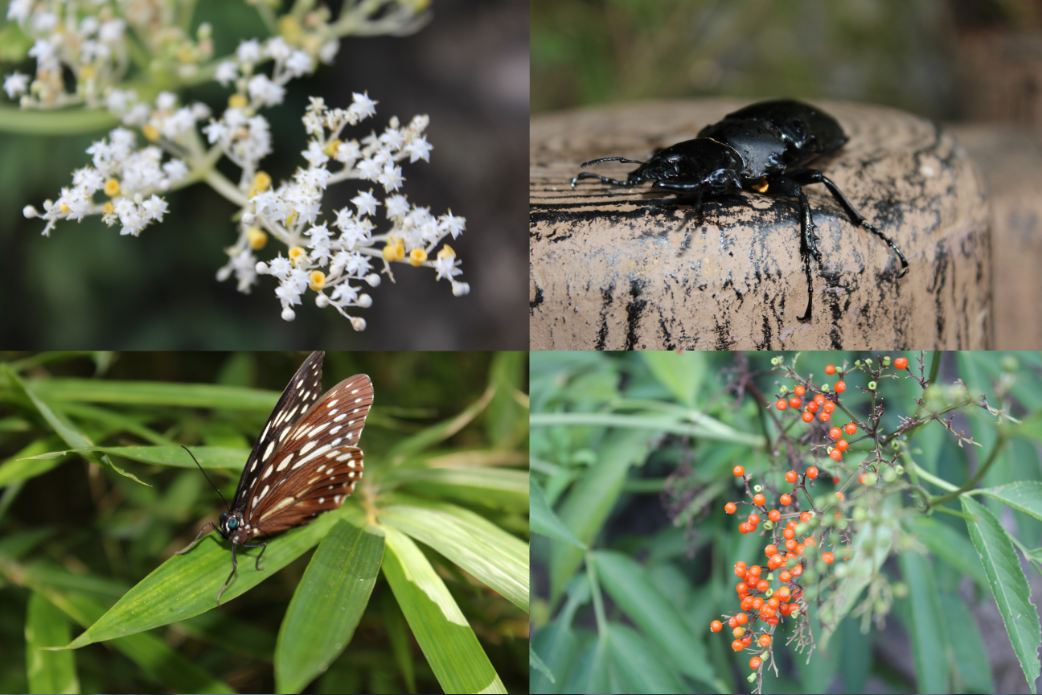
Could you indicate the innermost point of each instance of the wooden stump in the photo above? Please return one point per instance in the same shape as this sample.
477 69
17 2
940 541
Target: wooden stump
616 268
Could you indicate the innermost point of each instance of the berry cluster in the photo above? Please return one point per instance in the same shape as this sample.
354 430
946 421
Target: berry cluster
789 516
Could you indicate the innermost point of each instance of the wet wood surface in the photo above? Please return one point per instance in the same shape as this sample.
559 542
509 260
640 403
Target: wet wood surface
615 268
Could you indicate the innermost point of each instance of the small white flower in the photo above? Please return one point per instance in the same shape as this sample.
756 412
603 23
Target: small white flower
452 224
366 202
278 49
154 207
249 52
418 148
391 177
446 267
226 73
397 207
299 64
19 10
362 107
328 51
264 91
15 84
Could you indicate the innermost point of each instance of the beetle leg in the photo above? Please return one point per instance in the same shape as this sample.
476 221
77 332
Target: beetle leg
678 185
613 158
815 176
604 179
785 186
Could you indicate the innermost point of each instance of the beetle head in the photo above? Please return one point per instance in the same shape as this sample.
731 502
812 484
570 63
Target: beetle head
701 164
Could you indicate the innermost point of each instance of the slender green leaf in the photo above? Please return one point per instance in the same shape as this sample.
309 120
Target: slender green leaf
871 547
155 393
157 661
926 627
492 555
438 433
20 467
1008 585
446 638
632 591
398 636
48 671
681 373
546 523
327 605
1023 495
506 420
492 487
636 666
949 545
592 498
592 673
969 652
187 585
208 456
72 436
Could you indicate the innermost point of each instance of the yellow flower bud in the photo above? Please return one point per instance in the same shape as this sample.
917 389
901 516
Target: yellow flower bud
417 257
296 254
257 238
317 280
150 132
332 147
238 101
447 252
112 188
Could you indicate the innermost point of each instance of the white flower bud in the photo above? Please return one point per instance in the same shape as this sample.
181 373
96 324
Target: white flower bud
321 301
358 323
288 314
460 288
365 301
262 268
30 212
373 280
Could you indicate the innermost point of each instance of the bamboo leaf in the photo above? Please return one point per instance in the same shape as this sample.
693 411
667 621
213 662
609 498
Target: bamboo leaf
925 625
327 605
1008 585
62 427
491 487
427 438
492 555
681 373
155 393
444 635
176 456
186 585
48 671
655 614
546 523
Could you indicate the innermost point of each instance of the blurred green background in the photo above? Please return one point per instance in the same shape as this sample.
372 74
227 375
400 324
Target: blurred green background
448 432
915 55
87 287
631 457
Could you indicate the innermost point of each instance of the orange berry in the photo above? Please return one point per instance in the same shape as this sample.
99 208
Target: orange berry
730 508
759 499
774 515
808 416
786 499
738 471
842 444
812 472
781 404
755 662
756 570
784 576
754 519
840 386
813 406
840 495
800 390
791 477
824 416
789 533
829 407
901 363
738 632
795 402
716 626
737 645
806 516
836 455
770 550
762 586
744 527
850 428
830 369
835 433
828 557
741 618
783 594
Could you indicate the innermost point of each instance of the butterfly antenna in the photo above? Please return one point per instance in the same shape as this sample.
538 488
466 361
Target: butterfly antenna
205 475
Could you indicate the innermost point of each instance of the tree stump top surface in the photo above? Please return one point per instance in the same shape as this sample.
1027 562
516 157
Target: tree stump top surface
631 268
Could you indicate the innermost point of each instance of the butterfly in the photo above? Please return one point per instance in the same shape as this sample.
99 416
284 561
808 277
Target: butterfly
306 460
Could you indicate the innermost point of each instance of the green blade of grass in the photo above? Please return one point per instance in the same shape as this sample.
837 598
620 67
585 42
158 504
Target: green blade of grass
443 633
1008 586
493 487
186 585
48 671
156 393
327 605
438 433
208 456
546 523
491 555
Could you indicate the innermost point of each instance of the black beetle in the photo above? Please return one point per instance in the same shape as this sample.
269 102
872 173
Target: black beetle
764 148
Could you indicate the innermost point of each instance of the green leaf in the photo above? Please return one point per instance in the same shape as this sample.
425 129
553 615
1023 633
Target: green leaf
327 605
871 547
1023 495
186 585
208 456
655 614
427 438
968 649
949 545
926 627
156 393
1008 585
546 523
681 373
20 467
492 555
636 665
591 499
506 420
48 671
157 661
443 633
62 427
398 636
489 487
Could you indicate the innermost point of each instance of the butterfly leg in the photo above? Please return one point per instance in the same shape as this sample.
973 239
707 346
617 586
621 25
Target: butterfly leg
202 532
235 565
262 546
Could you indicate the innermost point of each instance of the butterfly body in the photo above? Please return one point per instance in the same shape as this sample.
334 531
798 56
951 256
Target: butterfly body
306 460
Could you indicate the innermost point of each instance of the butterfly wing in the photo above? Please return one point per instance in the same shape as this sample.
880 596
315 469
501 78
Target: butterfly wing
299 395
317 465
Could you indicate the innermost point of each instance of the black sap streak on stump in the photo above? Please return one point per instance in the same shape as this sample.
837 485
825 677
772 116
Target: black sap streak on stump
636 269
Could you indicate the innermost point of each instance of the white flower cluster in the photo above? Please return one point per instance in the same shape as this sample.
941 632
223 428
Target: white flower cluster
338 255
334 257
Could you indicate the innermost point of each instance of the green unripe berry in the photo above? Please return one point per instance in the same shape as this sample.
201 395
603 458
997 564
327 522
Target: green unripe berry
872 386
868 479
775 361
860 514
886 361
900 590
842 524
899 469
868 361
751 678
825 388
889 475
768 525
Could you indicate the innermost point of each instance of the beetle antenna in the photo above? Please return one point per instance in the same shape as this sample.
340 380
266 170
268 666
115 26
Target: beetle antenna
205 475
